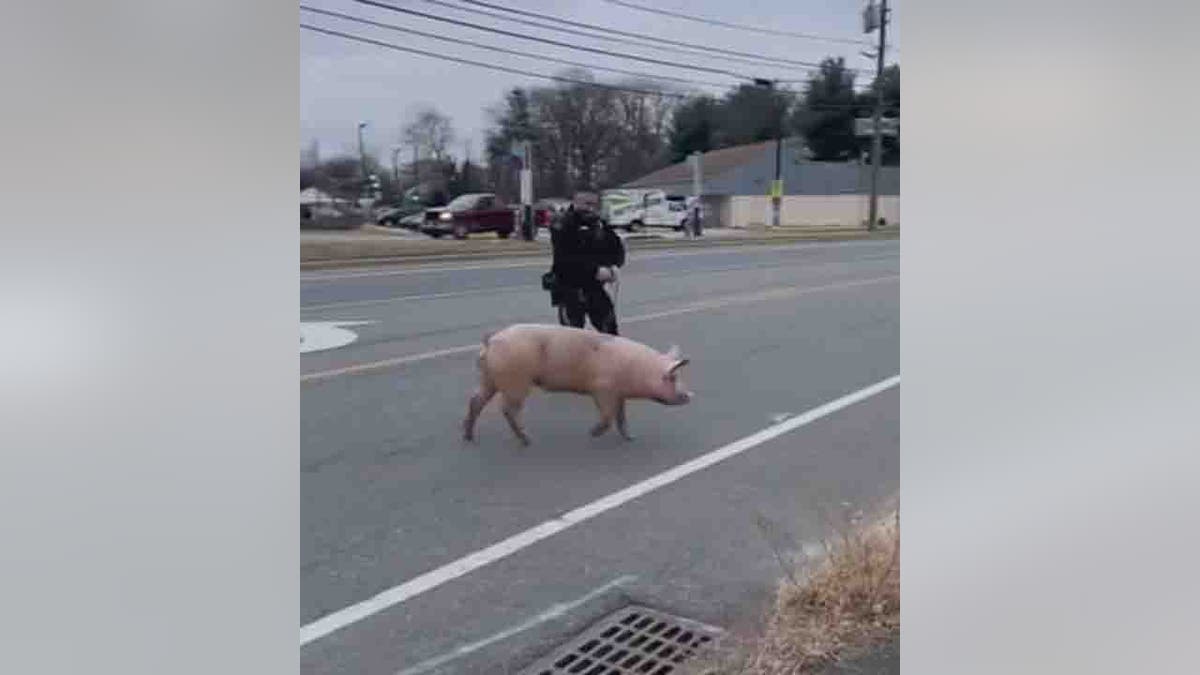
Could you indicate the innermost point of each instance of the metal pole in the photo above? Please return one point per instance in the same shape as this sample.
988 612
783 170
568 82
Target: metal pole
528 231
396 165
362 153
697 191
877 135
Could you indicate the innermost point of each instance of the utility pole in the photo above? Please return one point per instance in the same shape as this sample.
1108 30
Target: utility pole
877 132
468 184
416 166
777 183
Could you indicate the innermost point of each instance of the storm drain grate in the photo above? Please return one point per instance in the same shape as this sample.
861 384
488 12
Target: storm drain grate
634 641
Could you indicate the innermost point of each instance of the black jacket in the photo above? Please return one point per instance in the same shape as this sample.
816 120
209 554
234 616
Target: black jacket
579 251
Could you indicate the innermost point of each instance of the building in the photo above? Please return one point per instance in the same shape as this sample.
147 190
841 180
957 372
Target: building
736 184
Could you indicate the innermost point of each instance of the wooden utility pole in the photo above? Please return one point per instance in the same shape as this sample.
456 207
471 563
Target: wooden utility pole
877 131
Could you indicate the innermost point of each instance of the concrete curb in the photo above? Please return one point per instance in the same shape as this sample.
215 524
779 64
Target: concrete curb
344 254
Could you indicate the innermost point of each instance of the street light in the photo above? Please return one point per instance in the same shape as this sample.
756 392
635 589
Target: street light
395 163
362 155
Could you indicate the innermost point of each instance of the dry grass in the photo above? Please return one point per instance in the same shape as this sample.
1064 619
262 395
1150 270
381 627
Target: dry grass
847 601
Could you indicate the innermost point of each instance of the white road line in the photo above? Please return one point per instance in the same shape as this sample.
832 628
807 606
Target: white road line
434 578
408 298
387 363
554 612
353 304
544 258
782 292
316 336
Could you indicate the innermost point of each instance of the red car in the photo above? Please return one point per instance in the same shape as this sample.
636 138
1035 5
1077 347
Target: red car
547 209
470 213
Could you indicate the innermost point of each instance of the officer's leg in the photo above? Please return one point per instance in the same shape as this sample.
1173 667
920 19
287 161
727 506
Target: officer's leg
601 311
571 309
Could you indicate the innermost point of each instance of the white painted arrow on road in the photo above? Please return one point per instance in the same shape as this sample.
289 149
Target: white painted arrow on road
317 336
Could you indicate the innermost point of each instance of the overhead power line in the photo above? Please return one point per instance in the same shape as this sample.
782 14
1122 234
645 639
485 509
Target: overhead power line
527 73
754 58
519 36
491 66
738 26
515 52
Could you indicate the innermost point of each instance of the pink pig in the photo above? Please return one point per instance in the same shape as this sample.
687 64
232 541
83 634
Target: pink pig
556 358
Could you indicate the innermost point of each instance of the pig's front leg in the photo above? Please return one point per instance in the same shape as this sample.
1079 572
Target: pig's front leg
621 428
609 405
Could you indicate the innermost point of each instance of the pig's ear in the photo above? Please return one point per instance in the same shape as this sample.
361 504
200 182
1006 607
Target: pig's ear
674 352
675 367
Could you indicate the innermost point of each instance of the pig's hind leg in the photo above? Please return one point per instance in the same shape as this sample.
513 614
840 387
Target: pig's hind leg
512 402
478 402
513 396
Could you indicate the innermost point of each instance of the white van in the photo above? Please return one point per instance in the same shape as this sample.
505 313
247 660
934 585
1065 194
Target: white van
634 209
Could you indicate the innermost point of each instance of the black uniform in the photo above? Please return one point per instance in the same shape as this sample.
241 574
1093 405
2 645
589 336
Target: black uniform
583 244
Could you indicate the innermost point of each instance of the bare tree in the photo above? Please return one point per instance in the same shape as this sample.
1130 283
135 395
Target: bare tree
641 142
430 132
579 127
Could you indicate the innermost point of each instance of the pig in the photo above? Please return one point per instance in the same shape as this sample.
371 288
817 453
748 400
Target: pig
608 368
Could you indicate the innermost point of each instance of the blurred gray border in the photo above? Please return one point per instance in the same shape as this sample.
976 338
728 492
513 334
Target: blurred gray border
148 288
148 400
1050 335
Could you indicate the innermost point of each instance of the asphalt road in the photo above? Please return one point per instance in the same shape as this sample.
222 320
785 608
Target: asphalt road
393 502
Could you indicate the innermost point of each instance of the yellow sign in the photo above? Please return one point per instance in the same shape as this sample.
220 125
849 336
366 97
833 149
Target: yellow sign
776 189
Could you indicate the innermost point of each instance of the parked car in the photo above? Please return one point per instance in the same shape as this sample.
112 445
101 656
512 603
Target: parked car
395 216
413 221
548 209
635 209
468 214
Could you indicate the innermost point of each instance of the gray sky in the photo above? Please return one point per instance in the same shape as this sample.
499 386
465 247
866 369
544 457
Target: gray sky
343 82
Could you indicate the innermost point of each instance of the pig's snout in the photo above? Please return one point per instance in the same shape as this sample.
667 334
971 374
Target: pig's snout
680 398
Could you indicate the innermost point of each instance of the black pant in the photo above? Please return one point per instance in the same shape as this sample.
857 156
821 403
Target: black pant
591 300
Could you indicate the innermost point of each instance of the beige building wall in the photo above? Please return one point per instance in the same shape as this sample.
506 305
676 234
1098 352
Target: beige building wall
810 210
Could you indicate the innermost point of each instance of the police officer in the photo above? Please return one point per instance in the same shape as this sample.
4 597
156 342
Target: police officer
586 251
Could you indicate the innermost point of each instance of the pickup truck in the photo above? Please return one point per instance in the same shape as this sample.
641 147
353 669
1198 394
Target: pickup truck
470 213
635 209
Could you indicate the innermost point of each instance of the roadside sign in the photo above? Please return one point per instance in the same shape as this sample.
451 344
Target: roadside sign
518 154
889 126
776 189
